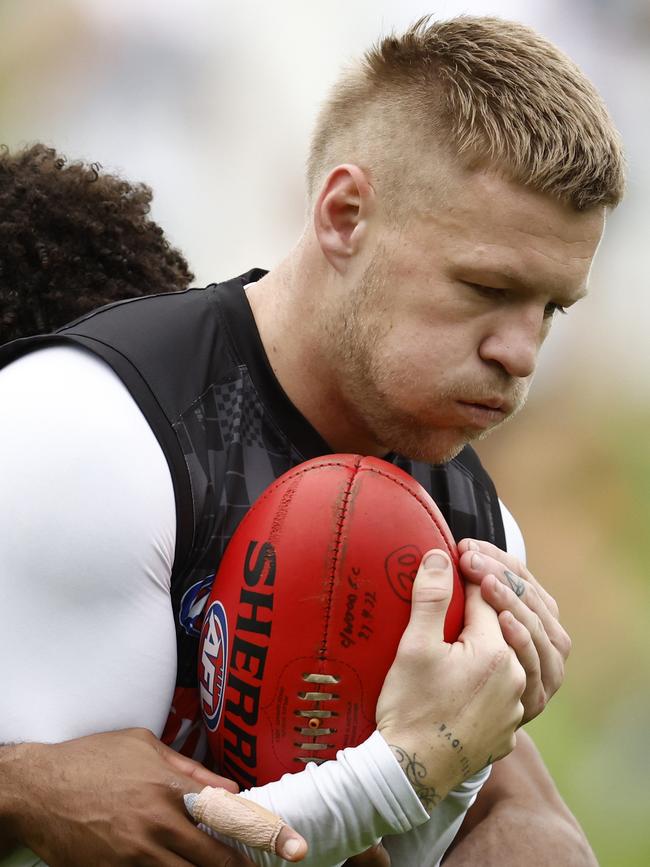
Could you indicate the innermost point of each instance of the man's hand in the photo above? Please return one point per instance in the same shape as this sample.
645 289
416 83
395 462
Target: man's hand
112 798
528 616
449 709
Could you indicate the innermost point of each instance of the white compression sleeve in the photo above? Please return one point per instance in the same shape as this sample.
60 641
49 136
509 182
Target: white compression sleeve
425 845
342 807
87 638
514 537
65 409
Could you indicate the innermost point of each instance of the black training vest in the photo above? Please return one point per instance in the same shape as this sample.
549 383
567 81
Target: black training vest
195 365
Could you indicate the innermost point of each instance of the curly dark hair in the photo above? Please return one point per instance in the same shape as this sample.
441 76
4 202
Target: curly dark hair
73 238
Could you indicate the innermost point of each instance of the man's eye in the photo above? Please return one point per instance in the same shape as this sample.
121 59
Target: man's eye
487 291
552 308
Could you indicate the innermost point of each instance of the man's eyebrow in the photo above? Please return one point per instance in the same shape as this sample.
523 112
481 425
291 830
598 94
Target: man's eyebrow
505 277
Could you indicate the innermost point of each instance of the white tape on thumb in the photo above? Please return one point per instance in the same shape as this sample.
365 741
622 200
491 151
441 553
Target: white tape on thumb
236 817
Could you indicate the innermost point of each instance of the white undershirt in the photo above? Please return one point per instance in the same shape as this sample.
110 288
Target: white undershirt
87 639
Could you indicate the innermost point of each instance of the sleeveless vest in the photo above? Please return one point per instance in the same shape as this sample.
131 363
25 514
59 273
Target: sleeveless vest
194 363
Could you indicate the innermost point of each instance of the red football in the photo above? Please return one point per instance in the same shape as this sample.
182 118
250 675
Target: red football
306 612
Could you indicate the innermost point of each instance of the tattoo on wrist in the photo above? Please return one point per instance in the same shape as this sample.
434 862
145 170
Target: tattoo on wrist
415 772
445 733
516 583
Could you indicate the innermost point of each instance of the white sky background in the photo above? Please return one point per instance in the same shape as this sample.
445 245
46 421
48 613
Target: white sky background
211 103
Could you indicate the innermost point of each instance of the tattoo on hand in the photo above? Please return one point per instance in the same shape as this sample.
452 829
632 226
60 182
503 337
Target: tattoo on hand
516 584
415 772
447 735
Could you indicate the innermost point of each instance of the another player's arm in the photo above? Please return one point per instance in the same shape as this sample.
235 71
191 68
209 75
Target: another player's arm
520 818
87 552
106 533
113 797
8 806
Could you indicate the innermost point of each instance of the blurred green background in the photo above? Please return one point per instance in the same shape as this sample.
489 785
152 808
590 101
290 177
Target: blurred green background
577 475
211 104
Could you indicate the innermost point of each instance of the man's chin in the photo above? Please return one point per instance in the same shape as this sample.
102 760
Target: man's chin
432 449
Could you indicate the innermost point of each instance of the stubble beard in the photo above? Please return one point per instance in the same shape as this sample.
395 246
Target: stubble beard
367 384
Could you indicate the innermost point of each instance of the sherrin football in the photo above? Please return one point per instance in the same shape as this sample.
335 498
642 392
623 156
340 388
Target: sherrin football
306 612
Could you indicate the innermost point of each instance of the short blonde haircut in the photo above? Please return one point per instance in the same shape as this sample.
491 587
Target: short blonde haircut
489 92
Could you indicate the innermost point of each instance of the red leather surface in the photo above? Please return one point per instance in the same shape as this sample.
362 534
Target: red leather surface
316 581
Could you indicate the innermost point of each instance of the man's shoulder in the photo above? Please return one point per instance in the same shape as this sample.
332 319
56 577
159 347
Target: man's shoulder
133 321
148 318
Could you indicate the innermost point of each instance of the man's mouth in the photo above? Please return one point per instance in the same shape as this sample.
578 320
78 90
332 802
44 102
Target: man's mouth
485 412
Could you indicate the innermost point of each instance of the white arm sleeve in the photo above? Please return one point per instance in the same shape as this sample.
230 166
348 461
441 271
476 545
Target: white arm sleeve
87 640
514 537
344 807
87 512
341 807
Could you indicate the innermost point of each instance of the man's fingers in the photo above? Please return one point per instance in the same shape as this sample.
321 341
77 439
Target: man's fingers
513 586
198 775
469 547
480 618
544 677
237 817
430 599
290 845
518 637
201 849
550 639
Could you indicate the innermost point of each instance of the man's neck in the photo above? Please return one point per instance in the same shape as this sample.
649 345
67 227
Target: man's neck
289 320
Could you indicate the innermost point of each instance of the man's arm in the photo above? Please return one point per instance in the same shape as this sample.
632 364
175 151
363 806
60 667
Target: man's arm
520 818
479 685
86 569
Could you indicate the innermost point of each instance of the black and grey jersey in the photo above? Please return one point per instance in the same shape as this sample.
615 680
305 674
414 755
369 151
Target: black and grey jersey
195 364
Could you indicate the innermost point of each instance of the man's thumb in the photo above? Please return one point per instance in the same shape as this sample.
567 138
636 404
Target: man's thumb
431 594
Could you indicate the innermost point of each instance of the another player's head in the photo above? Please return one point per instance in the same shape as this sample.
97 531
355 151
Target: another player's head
73 238
458 177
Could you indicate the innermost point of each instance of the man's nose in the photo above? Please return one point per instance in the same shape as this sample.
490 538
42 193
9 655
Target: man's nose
513 343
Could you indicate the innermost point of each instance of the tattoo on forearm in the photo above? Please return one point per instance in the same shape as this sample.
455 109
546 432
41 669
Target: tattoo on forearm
516 583
415 772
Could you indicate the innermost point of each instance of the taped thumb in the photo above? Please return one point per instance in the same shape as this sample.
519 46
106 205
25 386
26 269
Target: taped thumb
431 595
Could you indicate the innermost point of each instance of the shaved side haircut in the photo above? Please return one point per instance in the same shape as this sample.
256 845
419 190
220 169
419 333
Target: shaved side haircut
482 91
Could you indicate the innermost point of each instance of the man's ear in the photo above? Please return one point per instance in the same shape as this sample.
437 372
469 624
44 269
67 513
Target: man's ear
342 213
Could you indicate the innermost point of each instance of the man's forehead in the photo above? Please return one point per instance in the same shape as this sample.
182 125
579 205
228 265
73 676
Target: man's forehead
488 219
489 198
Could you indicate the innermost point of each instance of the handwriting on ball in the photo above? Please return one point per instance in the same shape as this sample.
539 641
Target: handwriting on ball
359 612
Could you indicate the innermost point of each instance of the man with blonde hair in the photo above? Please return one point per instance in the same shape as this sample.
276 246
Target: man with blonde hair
458 182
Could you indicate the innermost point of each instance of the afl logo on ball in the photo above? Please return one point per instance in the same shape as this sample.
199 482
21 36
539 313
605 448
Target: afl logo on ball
212 665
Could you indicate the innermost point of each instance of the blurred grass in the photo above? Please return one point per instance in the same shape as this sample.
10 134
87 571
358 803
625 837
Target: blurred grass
577 478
